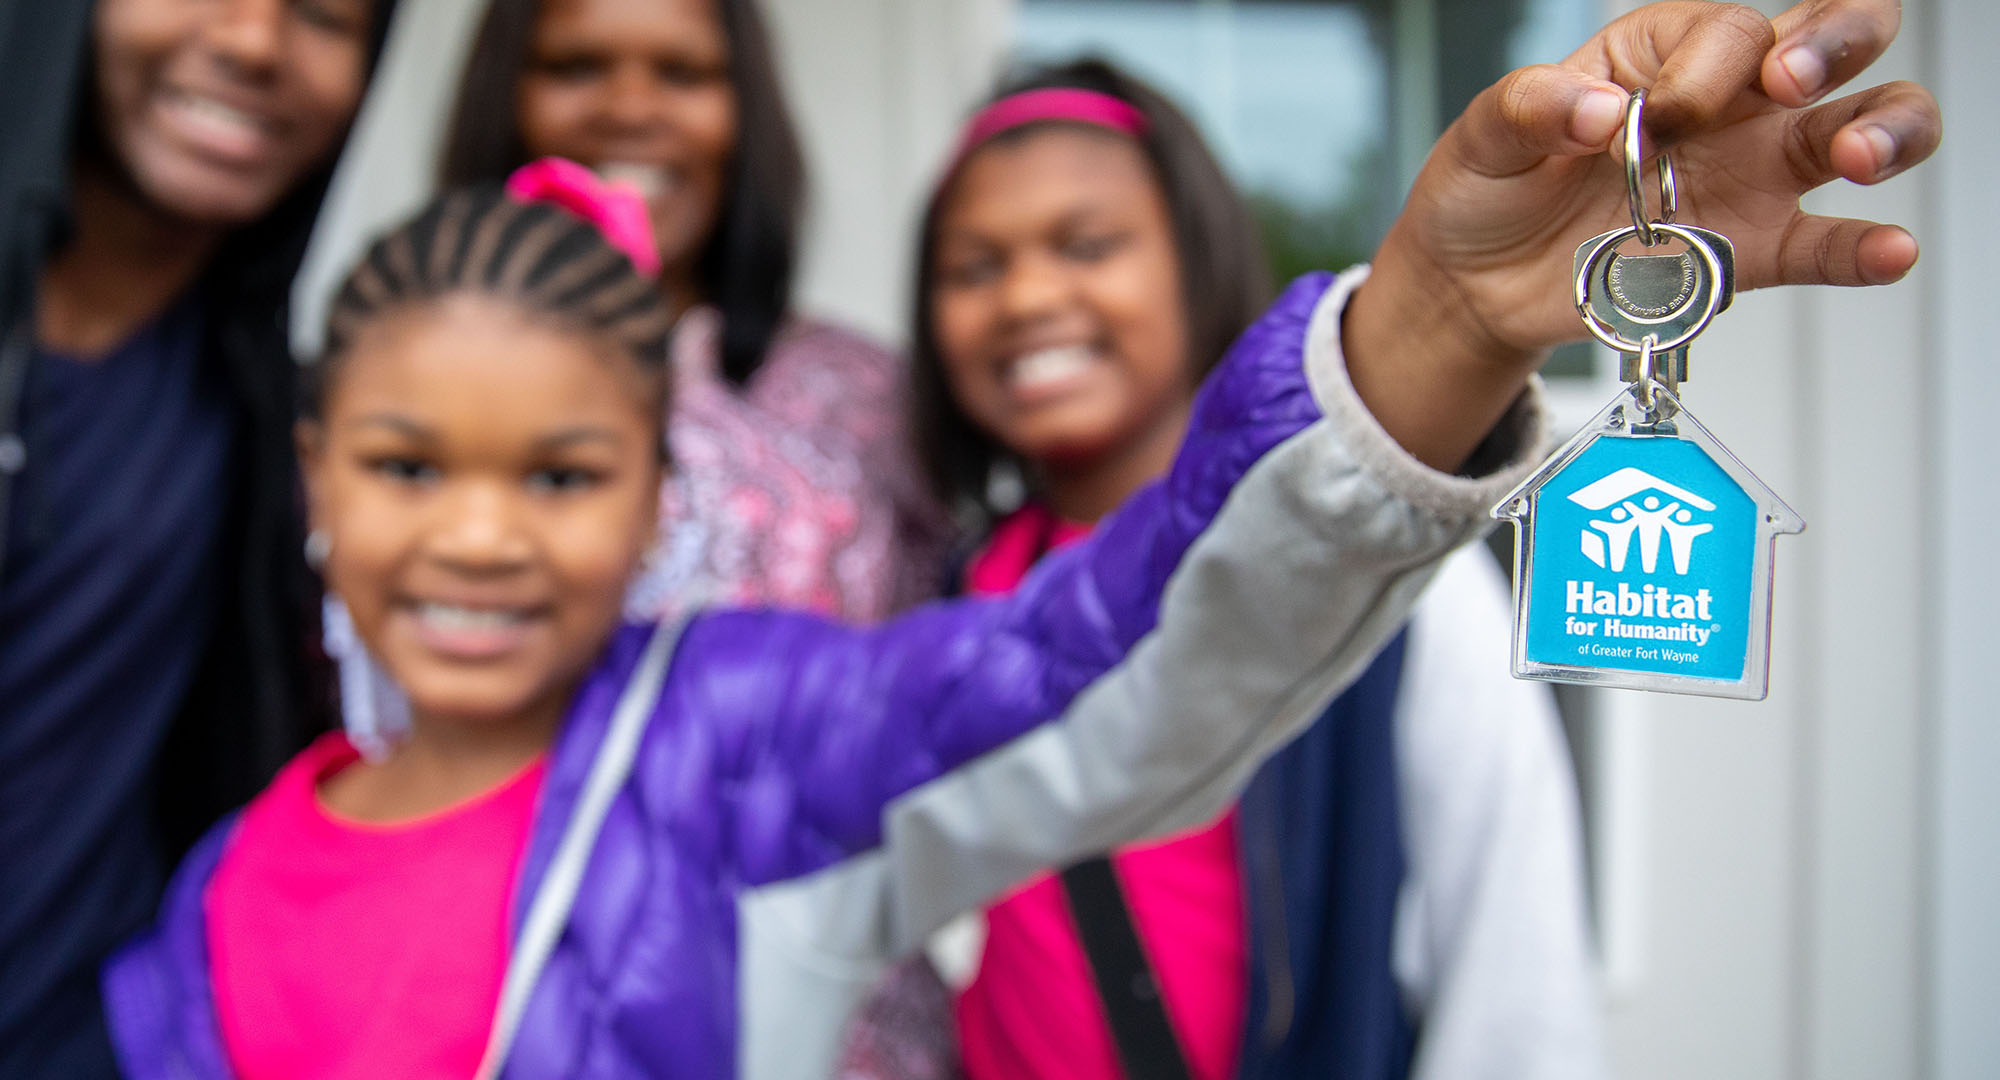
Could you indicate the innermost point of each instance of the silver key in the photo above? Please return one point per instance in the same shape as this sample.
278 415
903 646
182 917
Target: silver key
1669 297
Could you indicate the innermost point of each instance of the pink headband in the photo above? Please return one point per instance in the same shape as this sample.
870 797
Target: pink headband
616 208
1054 103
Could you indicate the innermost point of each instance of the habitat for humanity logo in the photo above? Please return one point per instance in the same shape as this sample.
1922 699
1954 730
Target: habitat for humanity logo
1643 511
1641 560
1609 543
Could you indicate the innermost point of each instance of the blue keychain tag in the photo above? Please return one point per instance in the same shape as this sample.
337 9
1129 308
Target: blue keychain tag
1644 546
1644 559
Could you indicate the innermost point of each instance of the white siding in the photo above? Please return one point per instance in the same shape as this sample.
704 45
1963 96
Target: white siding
1961 527
1817 872
878 88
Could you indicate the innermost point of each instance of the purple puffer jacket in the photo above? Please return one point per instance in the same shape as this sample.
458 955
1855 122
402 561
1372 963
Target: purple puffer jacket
809 800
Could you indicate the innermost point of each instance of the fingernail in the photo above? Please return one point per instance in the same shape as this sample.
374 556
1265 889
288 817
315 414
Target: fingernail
1598 114
1806 69
1882 144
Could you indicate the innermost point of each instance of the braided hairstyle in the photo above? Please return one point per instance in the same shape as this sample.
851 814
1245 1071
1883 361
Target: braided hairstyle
550 264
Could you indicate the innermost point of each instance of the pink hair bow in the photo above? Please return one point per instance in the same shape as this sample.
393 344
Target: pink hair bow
617 209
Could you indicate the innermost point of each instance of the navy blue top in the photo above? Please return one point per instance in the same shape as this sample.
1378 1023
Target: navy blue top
1323 853
105 609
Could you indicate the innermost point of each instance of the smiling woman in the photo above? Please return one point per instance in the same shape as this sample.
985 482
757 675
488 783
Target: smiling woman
797 489
641 90
680 97
214 125
165 160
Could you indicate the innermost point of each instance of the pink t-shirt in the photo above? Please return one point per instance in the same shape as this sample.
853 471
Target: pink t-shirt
1033 1013
349 949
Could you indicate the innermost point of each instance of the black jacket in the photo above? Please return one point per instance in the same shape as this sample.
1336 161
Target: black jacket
259 692
260 695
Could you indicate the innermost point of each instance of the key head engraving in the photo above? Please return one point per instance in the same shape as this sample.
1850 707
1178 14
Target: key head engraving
1650 286
1665 296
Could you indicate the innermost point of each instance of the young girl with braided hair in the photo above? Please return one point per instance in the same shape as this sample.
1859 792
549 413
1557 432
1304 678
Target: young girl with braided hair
797 488
611 850
482 453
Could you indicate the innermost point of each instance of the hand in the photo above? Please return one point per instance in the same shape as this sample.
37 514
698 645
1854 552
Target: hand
1474 279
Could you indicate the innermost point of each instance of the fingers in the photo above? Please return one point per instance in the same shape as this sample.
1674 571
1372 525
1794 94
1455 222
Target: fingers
1843 251
1821 44
1712 53
1865 137
1536 113
1696 59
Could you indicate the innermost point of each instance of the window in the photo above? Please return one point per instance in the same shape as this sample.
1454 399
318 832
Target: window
1321 110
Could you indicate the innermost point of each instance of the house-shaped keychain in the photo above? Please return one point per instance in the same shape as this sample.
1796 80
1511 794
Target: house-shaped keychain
1644 559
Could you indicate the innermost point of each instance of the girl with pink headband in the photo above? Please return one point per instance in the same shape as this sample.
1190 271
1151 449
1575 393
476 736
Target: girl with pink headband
1064 104
1082 264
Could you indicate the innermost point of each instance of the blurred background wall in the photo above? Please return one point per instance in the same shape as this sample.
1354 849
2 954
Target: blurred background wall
1806 887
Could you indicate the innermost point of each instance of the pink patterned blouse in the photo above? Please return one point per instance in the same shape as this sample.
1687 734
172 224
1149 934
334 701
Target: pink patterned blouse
795 490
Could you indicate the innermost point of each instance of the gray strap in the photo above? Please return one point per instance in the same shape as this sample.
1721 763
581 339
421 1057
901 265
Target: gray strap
549 912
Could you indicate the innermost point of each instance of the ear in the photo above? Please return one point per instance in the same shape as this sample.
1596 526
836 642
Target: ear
309 438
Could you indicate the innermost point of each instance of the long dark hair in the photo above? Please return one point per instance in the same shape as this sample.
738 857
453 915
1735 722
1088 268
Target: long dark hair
256 264
1224 280
263 692
746 269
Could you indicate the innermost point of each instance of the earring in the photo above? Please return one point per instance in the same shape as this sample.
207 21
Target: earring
318 546
373 708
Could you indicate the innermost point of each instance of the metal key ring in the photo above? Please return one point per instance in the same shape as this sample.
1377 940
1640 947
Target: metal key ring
1636 199
1608 334
1653 393
1649 377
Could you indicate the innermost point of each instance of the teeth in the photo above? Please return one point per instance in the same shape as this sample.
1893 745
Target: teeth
1049 365
215 112
447 617
652 181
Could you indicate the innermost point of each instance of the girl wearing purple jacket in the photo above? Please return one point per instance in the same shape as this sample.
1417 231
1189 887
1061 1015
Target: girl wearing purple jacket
614 851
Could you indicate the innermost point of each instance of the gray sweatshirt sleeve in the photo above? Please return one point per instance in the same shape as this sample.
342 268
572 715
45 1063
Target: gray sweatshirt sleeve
1313 562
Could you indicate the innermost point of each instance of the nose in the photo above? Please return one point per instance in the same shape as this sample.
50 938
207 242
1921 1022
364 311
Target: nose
478 530
1032 287
248 34
630 105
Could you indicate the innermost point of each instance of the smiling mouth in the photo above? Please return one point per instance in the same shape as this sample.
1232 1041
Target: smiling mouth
653 182
470 633
220 129
1044 373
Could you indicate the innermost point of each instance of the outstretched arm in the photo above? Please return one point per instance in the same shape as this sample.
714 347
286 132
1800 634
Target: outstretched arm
1472 283
1470 287
1256 621
1195 631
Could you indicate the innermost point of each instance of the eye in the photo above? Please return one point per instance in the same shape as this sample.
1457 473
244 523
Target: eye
571 68
339 16
969 271
685 74
404 469
563 480
1093 247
